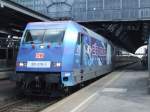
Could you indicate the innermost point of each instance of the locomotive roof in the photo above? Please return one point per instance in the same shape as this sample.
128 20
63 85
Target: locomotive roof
45 25
63 25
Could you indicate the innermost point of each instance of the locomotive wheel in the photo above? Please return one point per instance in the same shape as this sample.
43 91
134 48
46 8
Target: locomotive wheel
67 91
19 91
18 85
81 85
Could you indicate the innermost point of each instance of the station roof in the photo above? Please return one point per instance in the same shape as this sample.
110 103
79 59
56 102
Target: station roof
14 17
129 35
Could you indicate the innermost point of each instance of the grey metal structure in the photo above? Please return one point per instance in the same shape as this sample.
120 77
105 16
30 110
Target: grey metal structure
149 65
23 10
92 10
14 17
117 20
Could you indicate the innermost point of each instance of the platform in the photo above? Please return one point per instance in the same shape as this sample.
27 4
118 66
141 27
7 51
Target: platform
121 91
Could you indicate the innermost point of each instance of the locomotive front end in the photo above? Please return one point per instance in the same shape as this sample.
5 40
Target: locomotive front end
39 61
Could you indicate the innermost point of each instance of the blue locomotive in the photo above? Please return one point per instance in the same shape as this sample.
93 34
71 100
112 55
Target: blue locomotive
60 54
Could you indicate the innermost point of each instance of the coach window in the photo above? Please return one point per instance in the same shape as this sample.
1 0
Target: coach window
78 51
81 40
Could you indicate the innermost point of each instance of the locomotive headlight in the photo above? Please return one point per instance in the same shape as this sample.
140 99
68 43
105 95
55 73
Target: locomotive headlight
56 64
42 46
21 64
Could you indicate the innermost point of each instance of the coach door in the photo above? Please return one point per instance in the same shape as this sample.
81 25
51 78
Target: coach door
81 57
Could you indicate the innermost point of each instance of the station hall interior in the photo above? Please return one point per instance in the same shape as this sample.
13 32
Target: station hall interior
124 23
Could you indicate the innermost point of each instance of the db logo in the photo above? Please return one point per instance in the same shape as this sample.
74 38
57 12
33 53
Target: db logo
39 55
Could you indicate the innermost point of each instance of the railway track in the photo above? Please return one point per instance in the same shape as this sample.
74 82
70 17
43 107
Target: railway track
4 107
26 105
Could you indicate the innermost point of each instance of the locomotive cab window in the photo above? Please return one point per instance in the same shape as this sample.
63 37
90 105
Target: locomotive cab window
34 36
54 36
44 36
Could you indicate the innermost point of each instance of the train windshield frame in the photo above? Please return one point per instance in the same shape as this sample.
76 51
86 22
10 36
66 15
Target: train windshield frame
39 36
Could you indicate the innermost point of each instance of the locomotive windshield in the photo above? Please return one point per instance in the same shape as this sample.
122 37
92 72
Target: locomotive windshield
53 36
33 36
44 36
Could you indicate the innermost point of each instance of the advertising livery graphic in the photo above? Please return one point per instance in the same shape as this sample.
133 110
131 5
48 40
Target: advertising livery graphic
94 52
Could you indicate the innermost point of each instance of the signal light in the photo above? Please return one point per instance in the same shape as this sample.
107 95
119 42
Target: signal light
17 64
48 46
33 46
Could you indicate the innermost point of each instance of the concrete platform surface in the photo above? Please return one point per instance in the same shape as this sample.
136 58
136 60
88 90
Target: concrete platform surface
121 91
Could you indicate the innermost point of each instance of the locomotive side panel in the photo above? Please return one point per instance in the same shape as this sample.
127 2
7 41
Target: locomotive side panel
93 58
69 44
